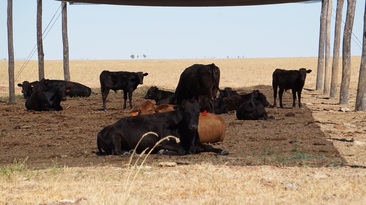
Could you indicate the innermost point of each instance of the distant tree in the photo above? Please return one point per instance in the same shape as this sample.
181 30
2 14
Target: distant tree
132 56
144 56
137 56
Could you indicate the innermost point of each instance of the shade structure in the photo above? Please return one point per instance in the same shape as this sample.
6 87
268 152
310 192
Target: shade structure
188 3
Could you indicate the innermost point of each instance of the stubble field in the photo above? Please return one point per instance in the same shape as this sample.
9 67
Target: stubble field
304 156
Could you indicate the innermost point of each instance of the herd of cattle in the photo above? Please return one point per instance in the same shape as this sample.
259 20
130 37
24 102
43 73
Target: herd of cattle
191 113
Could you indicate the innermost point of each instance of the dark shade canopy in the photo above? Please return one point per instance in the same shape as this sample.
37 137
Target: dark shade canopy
188 3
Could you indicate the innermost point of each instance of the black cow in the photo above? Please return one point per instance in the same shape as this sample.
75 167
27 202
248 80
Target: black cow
198 81
27 88
67 88
288 79
120 80
227 92
160 96
43 98
123 136
252 109
227 104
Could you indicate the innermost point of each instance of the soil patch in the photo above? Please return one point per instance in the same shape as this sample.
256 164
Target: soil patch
68 137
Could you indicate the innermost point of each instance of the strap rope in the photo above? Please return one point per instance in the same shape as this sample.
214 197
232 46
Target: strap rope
44 35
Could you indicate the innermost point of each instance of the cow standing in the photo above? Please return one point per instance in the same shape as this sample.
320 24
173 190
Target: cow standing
200 82
120 80
288 79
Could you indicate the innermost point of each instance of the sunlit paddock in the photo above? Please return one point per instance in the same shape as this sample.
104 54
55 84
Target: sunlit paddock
236 73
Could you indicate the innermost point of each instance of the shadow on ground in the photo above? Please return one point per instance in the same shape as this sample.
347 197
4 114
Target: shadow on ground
68 137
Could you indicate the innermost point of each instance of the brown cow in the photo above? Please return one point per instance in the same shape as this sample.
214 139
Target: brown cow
164 108
211 128
147 107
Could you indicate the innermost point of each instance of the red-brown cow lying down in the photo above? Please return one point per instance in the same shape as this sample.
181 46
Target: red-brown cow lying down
147 107
211 127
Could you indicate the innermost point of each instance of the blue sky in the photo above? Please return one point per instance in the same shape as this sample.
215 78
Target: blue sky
117 32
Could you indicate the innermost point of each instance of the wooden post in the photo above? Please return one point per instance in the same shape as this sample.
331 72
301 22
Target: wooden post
361 89
336 49
65 41
11 53
327 73
320 69
40 41
346 63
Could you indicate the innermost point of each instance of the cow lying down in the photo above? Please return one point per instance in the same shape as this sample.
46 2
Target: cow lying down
44 98
123 136
211 127
253 108
67 88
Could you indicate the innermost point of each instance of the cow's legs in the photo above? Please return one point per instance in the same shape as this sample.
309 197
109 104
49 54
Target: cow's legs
125 99
280 93
193 144
294 98
299 96
274 96
130 98
117 145
170 149
208 148
104 97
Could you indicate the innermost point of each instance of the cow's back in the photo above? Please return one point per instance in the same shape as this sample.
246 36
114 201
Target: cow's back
285 79
113 80
197 80
74 89
211 128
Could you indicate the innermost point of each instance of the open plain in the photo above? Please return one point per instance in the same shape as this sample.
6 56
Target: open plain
313 155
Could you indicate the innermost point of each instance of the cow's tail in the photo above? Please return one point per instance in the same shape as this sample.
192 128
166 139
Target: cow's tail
215 88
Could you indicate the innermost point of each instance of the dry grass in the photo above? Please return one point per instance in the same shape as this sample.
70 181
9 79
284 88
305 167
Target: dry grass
190 184
184 184
165 73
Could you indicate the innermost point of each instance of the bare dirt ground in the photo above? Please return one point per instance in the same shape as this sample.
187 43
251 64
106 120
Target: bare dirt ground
317 135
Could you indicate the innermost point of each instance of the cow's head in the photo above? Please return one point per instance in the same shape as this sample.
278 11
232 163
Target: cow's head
303 72
260 97
27 88
191 112
141 77
151 93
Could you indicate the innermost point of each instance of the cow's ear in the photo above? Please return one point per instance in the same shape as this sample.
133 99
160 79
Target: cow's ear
145 74
20 85
308 71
